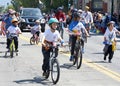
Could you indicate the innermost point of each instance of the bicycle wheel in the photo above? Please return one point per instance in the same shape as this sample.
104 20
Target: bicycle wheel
55 71
11 51
79 59
32 41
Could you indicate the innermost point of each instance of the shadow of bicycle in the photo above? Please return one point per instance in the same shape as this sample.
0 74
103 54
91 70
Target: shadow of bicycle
69 66
35 80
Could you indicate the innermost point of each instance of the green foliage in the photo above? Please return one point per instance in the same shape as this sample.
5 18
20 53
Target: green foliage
1 9
54 4
24 3
48 4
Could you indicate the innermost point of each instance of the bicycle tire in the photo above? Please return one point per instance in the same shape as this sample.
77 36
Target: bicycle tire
32 41
79 59
55 68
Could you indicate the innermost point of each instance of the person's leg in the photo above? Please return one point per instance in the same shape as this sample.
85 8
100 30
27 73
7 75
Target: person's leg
110 54
73 47
106 53
46 55
16 43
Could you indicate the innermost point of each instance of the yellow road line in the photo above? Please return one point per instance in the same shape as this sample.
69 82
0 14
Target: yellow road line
95 66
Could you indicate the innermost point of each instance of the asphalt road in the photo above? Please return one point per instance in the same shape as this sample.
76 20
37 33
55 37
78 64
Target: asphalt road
25 69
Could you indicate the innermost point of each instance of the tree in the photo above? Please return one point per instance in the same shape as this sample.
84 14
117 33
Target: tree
1 9
54 4
24 3
48 4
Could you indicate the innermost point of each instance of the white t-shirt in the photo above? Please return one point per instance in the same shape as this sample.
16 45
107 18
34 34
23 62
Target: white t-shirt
79 27
88 18
110 36
51 36
36 27
13 29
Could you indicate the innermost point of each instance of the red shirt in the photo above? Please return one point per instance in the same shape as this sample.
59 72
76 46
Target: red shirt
60 15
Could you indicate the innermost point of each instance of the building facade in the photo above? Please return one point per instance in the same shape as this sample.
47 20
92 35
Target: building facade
105 6
110 6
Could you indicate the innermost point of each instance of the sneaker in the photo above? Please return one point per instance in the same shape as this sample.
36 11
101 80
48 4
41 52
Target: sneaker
16 50
71 58
109 61
44 74
104 58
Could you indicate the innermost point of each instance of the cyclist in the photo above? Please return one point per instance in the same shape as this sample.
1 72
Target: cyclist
7 20
35 30
109 38
14 29
60 15
50 36
88 18
75 26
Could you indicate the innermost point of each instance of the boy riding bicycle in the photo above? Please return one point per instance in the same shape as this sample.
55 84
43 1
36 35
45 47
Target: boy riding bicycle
75 27
14 29
50 36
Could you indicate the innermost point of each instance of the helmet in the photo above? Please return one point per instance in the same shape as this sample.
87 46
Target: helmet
76 15
74 10
59 8
111 22
52 20
80 11
14 20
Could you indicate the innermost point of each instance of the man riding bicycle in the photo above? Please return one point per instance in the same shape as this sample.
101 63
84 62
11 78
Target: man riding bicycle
61 17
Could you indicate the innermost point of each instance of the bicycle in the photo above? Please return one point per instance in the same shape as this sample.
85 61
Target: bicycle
12 46
34 39
77 51
54 67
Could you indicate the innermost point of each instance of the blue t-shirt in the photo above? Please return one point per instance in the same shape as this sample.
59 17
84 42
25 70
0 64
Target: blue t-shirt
8 22
72 25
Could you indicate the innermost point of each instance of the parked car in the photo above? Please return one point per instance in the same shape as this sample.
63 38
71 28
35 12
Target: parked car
28 16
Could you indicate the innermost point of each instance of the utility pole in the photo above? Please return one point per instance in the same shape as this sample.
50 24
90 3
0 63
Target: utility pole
112 7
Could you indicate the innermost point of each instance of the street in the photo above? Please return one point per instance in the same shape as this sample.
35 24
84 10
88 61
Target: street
25 69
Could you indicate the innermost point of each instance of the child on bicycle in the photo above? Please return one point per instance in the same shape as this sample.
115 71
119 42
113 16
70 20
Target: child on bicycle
75 27
50 36
15 30
35 30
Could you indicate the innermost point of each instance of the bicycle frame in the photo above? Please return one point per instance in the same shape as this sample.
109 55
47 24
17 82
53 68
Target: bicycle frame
53 56
12 47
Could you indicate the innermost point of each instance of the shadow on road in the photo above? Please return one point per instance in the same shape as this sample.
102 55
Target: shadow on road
2 42
98 53
26 44
97 62
39 80
68 66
